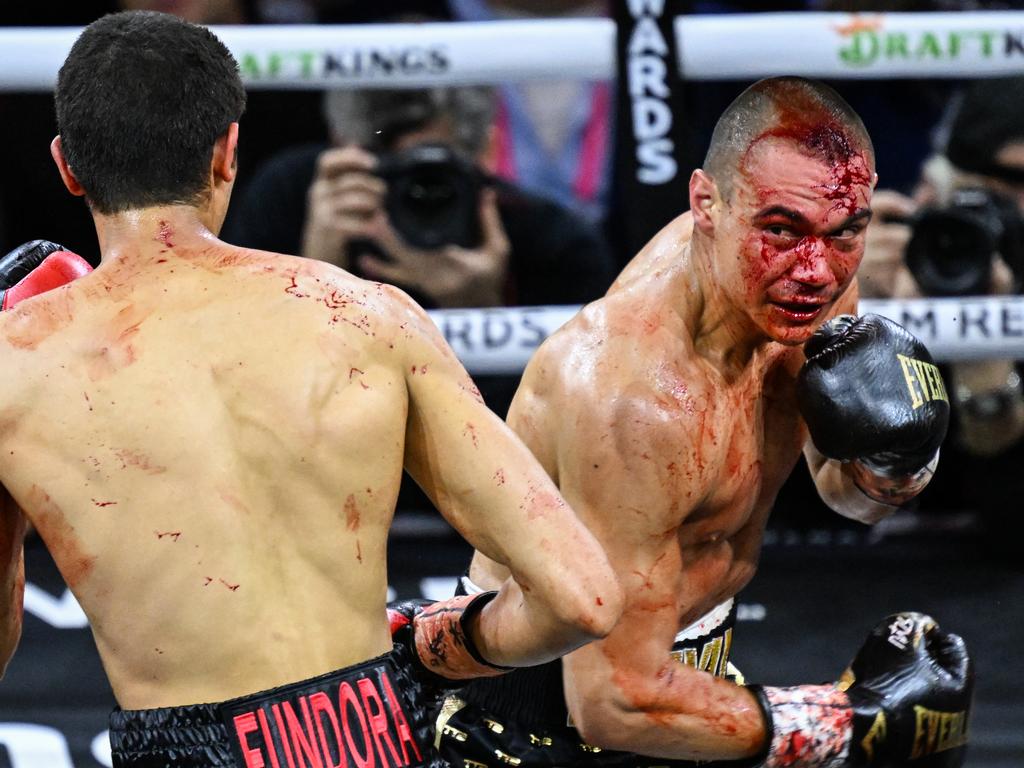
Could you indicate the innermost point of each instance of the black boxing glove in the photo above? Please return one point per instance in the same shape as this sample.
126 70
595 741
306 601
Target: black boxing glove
904 701
36 267
871 395
438 635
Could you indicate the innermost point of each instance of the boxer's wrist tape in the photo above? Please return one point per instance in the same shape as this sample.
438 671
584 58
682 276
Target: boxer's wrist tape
810 726
888 487
444 643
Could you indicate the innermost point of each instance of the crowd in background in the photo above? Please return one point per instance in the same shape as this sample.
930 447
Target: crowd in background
321 175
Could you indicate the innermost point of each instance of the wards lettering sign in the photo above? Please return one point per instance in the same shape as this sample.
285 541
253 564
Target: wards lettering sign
346 64
866 42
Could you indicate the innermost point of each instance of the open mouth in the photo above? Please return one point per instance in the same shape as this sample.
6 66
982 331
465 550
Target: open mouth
801 312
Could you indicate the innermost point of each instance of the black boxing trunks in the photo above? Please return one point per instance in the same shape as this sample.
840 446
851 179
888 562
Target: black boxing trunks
370 715
520 719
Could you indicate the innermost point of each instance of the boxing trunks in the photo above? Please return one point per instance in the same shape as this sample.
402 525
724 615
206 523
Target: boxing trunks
520 719
370 714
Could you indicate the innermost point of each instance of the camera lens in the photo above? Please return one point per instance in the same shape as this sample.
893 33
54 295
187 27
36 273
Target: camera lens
432 198
951 249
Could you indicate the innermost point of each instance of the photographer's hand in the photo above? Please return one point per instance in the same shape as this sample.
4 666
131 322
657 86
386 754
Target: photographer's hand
345 201
451 276
882 273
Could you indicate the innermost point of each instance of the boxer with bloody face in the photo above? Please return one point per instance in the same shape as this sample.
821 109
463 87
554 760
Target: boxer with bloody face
670 413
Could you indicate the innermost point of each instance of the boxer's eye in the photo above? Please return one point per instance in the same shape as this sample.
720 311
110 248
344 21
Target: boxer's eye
780 232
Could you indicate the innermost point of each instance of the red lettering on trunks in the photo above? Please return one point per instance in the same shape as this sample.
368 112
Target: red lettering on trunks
347 698
276 710
302 738
321 704
378 721
267 738
244 725
401 724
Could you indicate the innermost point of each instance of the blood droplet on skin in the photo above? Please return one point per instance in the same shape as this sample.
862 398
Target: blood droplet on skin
104 503
351 513
231 587
359 551
173 535
470 430
499 476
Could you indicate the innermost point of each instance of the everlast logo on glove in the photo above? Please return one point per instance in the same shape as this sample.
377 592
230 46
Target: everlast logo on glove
924 382
350 718
938 731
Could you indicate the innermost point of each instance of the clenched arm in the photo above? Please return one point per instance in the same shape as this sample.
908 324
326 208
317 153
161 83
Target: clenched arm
12 576
562 592
626 691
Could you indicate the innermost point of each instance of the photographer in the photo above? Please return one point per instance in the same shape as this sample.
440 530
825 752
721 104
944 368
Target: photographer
402 196
962 234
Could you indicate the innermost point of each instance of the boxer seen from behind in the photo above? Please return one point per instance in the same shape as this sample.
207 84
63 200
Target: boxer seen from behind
209 440
671 411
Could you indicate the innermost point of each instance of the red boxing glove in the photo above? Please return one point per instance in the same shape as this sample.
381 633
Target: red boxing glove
36 267
438 635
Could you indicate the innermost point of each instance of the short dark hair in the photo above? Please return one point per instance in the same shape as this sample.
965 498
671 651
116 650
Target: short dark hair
811 113
141 100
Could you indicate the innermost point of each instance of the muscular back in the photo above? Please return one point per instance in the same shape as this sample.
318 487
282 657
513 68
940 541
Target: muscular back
210 444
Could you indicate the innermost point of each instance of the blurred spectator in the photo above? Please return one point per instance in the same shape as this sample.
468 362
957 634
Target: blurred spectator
961 233
554 136
412 161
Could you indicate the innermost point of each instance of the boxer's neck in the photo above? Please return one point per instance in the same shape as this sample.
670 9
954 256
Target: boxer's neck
144 233
722 333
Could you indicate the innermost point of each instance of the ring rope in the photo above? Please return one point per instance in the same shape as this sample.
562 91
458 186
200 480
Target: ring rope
501 340
712 47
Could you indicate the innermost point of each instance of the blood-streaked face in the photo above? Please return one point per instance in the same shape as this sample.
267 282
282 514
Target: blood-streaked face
792 235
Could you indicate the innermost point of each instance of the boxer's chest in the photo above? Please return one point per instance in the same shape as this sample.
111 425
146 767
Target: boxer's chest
736 453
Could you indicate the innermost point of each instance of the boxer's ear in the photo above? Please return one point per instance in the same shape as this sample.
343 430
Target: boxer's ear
66 174
704 198
225 155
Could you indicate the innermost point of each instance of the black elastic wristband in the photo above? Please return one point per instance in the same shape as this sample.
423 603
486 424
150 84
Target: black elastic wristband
476 606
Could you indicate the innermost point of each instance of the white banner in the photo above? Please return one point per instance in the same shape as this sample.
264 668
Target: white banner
298 56
715 47
831 45
502 340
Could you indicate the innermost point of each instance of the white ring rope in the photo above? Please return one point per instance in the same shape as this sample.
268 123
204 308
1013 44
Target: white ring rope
502 340
715 47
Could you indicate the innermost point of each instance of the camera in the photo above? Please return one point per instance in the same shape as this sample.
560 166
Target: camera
433 196
951 248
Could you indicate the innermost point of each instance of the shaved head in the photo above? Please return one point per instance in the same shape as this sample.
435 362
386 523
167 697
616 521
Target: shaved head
806 112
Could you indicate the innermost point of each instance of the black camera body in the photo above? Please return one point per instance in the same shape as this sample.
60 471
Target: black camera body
951 248
433 196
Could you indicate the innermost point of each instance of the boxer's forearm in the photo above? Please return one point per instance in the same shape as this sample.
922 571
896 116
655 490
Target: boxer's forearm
680 714
519 629
838 490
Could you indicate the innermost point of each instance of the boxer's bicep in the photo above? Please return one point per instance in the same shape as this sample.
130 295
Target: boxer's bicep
12 575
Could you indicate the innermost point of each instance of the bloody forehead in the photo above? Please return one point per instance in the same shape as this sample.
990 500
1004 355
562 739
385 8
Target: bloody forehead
818 133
